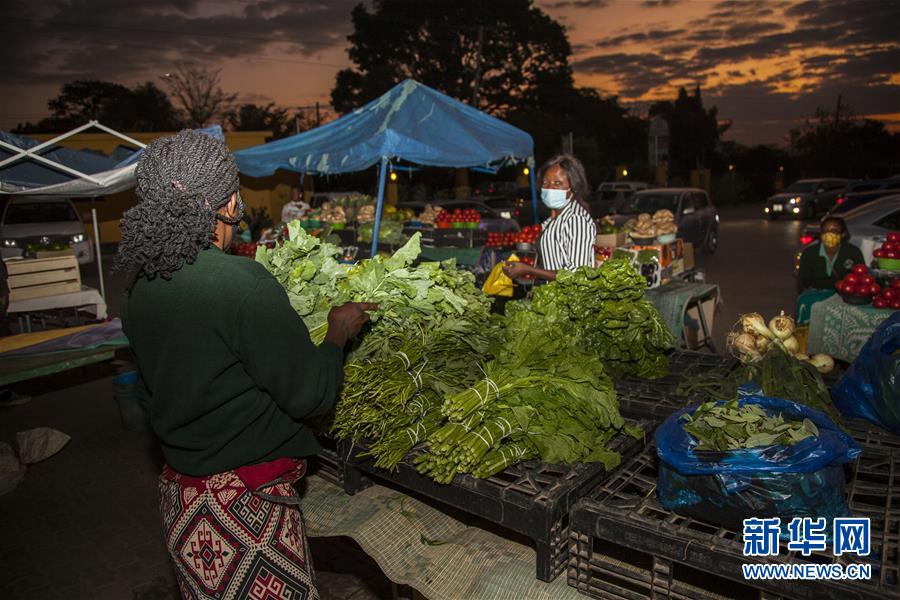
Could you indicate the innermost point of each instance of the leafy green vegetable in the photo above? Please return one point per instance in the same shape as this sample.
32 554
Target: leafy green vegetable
389 232
725 426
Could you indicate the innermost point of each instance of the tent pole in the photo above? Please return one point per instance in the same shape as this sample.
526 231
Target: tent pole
97 247
380 205
535 216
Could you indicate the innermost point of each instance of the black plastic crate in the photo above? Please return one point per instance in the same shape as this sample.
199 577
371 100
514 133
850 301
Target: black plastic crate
873 438
625 545
530 498
327 464
656 399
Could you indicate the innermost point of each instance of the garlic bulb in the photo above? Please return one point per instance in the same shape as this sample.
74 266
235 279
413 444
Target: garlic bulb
754 323
745 345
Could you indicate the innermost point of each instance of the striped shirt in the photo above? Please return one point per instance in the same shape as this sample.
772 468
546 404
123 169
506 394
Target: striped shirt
567 240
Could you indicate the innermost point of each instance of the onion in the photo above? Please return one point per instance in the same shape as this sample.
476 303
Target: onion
745 345
762 344
782 326
754 323
822 362
792 345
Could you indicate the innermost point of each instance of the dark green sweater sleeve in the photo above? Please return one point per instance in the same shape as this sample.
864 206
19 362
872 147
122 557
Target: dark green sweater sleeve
278 354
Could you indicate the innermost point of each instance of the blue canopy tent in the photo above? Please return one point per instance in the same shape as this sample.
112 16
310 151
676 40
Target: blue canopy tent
411 122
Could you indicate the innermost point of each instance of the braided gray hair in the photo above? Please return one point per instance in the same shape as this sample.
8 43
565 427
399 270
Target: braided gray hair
182 182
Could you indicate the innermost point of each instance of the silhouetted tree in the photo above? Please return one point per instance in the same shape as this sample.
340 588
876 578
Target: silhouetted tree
198 92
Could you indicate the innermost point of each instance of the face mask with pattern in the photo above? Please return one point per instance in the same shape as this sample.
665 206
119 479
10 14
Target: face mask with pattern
831 239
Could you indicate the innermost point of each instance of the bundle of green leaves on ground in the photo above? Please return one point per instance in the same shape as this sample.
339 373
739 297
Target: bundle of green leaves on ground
604 311
779 374
727 426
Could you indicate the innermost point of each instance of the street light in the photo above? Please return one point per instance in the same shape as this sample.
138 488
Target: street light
526 171
781 169
731 167
624 172
393 176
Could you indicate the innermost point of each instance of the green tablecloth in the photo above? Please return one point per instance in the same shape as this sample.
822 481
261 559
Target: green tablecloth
840 329
421 546
672 299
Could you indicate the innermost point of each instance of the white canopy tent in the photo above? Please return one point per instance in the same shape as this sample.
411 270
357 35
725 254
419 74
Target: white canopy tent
82 185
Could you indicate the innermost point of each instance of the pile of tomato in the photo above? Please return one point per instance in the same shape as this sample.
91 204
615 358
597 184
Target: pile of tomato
443 220
602 253
860 282
528 235
891 248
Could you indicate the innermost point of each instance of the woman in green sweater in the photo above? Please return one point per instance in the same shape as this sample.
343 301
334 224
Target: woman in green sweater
229 376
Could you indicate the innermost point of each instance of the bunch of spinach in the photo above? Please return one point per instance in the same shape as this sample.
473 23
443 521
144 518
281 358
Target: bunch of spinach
719 427
604 311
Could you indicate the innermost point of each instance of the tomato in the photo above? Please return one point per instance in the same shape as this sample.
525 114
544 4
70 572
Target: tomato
839 286
878 253
895 304
874 289
895 284
880 302
867 280
860 269
849 289
894 236
890 294
891 254
888 246
852 278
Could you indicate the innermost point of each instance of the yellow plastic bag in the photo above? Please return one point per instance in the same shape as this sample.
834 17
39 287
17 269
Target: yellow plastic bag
497 282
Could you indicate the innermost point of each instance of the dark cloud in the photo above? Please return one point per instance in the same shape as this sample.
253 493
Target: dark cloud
655 35
659 3
109 39
578 4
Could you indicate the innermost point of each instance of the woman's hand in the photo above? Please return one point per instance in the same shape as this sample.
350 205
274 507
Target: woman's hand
345 322
517 270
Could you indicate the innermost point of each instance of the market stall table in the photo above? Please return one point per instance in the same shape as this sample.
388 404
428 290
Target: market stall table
675 299
418 545
88 298
840 329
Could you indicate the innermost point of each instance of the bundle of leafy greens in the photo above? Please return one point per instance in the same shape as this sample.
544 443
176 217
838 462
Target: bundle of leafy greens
726 426
605 312
389 232
779 374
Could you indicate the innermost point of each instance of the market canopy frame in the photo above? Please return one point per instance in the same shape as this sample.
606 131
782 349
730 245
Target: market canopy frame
411 122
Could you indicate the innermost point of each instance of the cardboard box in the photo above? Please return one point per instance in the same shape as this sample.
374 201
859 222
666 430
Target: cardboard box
695 337
688 256
666 252
39 277
610 240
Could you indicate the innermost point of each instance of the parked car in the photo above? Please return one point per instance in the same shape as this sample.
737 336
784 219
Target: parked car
612 196
862 192
42 221
518 206
491 220
873 219
695 215
805 198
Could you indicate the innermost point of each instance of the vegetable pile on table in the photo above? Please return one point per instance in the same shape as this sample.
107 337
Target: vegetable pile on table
604 311
475 392
771 358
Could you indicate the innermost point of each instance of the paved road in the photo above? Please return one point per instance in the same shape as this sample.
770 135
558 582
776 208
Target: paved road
753 266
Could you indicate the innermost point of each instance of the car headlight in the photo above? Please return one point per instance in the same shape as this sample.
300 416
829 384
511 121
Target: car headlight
77 238
10 243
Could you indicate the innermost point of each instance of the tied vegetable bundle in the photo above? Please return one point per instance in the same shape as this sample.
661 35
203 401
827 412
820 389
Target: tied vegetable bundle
605 311
538 398
722 427
770 358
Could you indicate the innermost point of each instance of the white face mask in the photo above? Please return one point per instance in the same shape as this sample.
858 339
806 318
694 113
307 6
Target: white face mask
554 198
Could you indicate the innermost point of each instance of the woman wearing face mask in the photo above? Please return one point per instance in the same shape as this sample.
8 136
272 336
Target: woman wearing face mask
567 238
824 264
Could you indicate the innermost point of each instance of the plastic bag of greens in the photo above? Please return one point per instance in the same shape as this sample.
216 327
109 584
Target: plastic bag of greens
803 479
870 389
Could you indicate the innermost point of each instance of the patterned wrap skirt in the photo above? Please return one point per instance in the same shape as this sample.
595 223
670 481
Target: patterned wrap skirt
238 534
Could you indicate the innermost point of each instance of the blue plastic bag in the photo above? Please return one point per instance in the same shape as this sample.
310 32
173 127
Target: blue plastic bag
870 389
806 479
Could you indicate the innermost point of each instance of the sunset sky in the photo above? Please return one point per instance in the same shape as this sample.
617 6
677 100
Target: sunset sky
765 65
